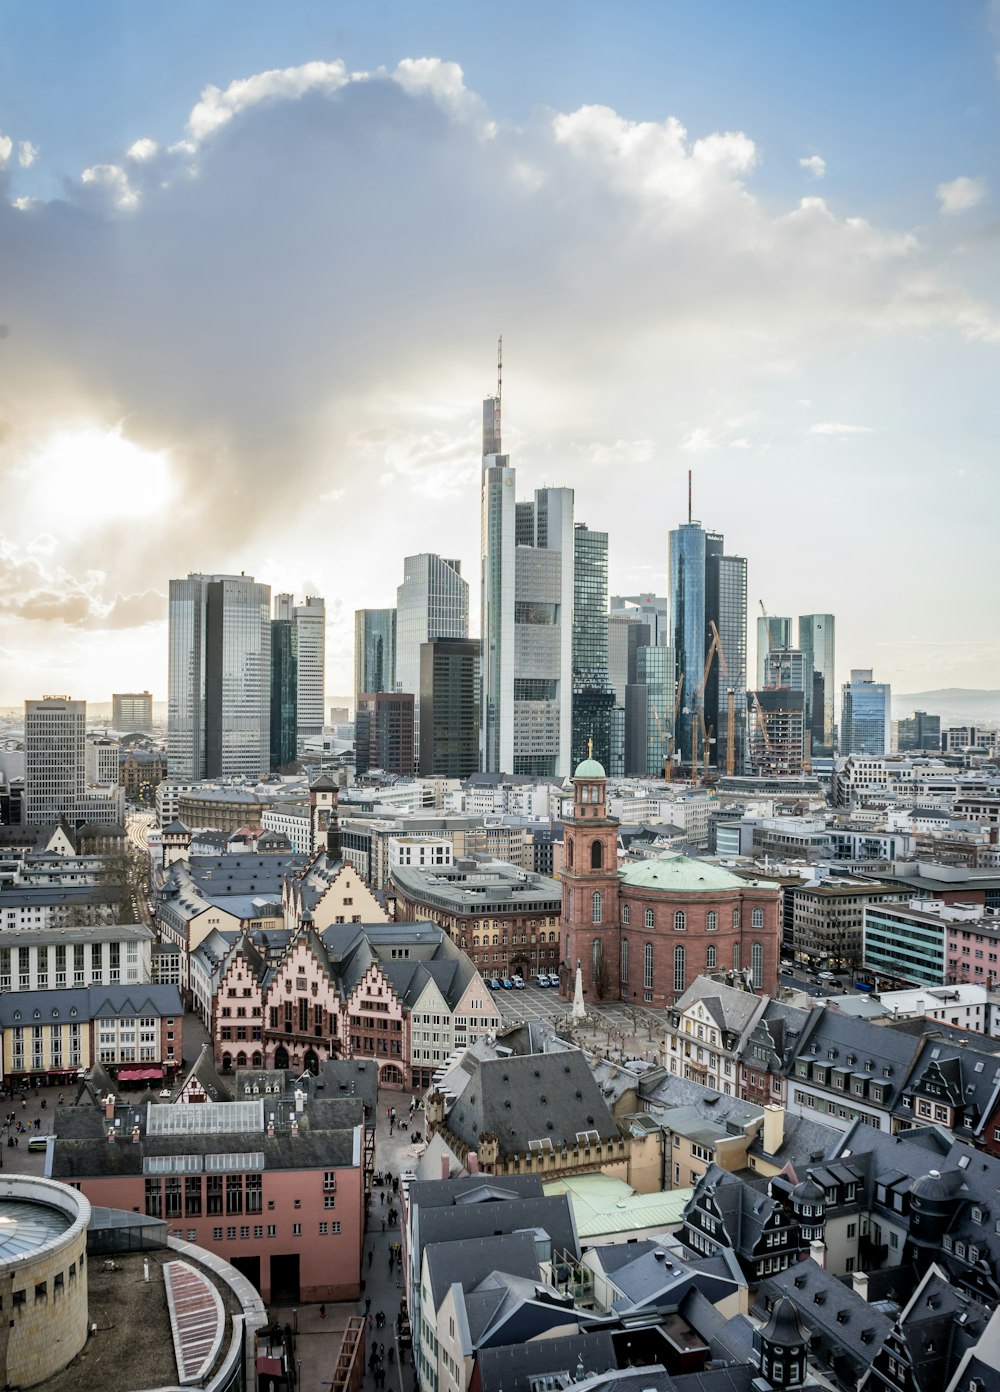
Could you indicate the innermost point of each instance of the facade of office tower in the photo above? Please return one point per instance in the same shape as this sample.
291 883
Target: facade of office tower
432 602
707 586
817 643
310 658
866 715
219 677
374 651
527 577
594 706
284 692
449 707
55 758
772 633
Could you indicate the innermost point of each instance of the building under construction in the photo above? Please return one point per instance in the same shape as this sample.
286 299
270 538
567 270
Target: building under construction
778 731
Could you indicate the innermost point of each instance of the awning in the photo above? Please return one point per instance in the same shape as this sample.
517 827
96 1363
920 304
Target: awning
139 1075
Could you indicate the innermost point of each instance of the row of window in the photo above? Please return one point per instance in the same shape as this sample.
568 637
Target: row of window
680 962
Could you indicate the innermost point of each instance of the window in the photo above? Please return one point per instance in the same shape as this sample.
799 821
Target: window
595 907
710 962
711 921
296 1229
680 921
736 917
757 962
626 914
736 956
649 918
679 956
624 960
596 856
647 967
757 918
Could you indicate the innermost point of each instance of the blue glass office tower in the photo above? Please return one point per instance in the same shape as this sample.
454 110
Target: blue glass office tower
687 611
866 715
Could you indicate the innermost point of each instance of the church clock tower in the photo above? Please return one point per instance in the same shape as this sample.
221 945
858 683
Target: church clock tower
589 924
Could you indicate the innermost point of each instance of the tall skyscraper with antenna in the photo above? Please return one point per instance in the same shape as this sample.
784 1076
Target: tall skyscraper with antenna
527 579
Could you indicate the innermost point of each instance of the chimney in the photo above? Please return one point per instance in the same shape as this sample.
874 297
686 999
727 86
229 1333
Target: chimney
111 1135
109 1107
859 1280
817 1251
295 1126
472 1163
135 1134
774 1128
300 1100
445 1167
270 1125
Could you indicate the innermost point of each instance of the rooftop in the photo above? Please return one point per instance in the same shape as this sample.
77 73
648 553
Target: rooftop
681 875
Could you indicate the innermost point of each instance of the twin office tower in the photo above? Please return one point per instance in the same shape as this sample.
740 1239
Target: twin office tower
244 687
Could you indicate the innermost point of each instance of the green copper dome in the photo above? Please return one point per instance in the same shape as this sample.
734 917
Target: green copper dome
590 768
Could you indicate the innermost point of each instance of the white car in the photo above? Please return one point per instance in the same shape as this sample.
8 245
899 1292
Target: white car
553 979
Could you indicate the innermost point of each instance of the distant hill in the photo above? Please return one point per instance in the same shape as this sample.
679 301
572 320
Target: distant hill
956 705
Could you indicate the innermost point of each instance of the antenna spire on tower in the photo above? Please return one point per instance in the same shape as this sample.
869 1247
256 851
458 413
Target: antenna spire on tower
689 497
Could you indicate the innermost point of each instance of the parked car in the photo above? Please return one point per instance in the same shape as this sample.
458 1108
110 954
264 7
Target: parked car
541 980
553 978
493 983
518 983
507 984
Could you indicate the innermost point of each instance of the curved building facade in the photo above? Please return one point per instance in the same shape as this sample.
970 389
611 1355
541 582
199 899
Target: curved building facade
43 1278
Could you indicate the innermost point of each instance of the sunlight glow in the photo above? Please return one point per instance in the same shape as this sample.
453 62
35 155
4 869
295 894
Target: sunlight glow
87 474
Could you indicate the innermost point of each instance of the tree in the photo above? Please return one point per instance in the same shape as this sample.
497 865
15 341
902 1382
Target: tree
602 975
125 877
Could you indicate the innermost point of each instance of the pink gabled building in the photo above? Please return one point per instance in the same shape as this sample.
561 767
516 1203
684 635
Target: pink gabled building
273 1182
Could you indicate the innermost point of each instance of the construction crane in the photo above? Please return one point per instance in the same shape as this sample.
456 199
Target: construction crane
668 763
763 729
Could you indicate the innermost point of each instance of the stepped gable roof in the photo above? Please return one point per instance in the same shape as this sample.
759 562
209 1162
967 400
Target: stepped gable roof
837 1320
962 1077
530 1097
745 1210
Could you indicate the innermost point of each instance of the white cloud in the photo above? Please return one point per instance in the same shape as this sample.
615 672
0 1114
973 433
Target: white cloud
217 106
142 150
960 195
113 179
815 164
26 154
603 453
837 428
6 146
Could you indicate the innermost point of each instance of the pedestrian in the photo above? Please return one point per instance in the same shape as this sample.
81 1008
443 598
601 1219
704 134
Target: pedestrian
322 1310
381 1352
371 1253
368 1300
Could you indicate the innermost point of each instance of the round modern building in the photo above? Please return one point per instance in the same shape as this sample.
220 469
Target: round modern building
43 1278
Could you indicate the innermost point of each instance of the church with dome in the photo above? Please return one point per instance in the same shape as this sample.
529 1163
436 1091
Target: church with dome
643 932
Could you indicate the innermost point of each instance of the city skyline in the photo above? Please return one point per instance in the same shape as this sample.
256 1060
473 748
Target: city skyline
711 254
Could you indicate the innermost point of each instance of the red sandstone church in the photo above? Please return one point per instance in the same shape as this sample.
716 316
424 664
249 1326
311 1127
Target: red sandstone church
643 933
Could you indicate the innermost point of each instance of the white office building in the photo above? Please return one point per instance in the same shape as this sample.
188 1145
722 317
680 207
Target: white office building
55 758
432 602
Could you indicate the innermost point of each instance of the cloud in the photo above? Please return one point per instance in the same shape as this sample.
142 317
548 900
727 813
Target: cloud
960 195
26 154
837 428
6 146
34 586
293 302
815 164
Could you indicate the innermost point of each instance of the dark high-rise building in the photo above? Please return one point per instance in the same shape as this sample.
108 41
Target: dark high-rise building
284 692
593 693
817 643
449 705
383 732
649 711
374 651
706 587
919 731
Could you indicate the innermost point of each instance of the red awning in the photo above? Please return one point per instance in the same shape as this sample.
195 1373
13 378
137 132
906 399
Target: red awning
139 1075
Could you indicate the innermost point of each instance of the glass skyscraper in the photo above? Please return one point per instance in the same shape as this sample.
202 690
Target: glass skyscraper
284 693
866 715
593 693
219 676
772 632
687 612
817 643
310 661
374 651
449 707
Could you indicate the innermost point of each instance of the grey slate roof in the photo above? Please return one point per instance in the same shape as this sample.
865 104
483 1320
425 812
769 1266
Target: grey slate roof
838 1319
469 1262
87 1003
511 1367
463 1222
529 1097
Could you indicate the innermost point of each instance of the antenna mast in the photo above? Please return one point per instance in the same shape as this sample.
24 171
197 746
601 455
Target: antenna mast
689 497
499 387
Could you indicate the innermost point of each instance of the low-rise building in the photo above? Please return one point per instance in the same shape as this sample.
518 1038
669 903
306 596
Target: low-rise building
505 918
103 955
847 1070
53 1034
828 919
272 1182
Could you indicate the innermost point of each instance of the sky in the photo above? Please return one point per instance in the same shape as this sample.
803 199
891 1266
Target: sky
255 258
